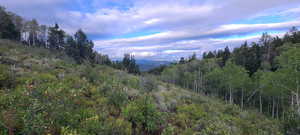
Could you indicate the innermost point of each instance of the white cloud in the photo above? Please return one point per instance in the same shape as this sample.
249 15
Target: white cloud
244 28
177 51
189 37
291 11
184 25
143 54
152 21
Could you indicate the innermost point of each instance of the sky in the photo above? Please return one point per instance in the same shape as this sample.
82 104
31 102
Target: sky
163 30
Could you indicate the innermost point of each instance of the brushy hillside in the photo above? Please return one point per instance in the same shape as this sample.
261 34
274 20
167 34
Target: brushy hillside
45 92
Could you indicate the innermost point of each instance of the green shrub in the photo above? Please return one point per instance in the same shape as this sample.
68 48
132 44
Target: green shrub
68 131
144 115
148 83
188 115
292 122
117 126
6 77
169 130
117 98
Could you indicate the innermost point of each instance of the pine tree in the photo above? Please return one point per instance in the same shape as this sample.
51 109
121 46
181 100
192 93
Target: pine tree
182 60
193 57
56 37
210 55
129 64
8 29
225 56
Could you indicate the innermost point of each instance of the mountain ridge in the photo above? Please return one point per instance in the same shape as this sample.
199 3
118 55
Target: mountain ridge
146 65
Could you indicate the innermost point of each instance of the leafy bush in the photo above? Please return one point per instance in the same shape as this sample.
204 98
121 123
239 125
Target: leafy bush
292 122
143 114
6 77
117 99
188 115
148 83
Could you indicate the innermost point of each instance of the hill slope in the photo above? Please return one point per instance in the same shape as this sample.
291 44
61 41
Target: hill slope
45 92
146 65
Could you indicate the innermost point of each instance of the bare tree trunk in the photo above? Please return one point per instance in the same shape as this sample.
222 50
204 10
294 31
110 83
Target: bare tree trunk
297 102
297 99
10 131
260 103
230 95
297 92
292 102
225 98
200 81
242 100
268 106
34 39
277 108
196 86
283 115
273 107
282 106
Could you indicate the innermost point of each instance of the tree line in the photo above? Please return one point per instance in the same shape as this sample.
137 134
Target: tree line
128 63
264 75
77 46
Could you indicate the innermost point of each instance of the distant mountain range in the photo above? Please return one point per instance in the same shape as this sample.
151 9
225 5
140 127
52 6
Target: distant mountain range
146 65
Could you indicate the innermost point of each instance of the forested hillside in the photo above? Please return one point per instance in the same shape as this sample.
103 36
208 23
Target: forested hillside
46 92
263 75
53 83
76 46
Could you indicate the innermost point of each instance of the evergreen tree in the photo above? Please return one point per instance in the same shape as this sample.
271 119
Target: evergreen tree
126 61
8 29
182 60
193 57
204 55
210 55
225 56
84 45
56 38
129 64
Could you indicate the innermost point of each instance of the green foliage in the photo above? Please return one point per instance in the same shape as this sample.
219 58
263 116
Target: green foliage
129 64
67 131
169 130
170 75
290 59
143 113
235 76
263 76
61 97
56 37
6 77
292 122
117 98
8 29
188 115
44 91
216 128
148 83
131 81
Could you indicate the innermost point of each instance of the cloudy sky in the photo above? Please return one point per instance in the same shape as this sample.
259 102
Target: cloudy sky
163 29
